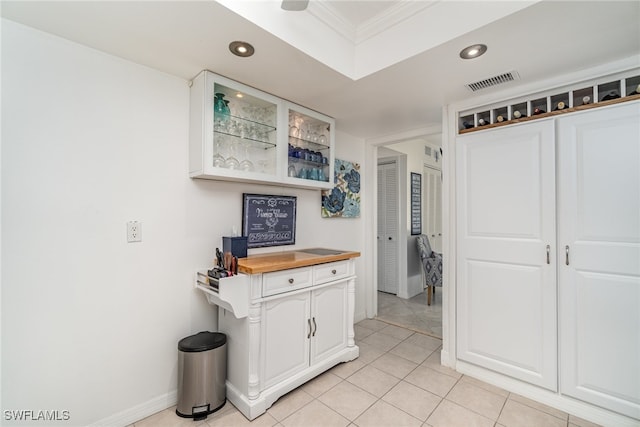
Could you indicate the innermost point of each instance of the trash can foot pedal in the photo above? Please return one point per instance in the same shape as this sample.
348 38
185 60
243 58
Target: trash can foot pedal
199 413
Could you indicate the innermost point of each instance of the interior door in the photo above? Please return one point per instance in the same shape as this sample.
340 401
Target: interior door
506 286
388 227
432 219
599 264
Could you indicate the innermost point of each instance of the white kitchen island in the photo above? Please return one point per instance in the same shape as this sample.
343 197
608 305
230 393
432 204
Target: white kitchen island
288 317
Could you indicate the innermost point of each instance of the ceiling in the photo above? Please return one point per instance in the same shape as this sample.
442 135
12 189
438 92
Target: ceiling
379 67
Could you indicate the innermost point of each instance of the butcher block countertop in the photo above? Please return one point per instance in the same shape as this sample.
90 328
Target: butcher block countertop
277 261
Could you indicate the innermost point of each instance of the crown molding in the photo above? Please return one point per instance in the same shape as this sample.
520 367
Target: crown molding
328 15
390 17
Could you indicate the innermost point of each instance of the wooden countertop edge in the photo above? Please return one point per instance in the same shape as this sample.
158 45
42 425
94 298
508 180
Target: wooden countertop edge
267 263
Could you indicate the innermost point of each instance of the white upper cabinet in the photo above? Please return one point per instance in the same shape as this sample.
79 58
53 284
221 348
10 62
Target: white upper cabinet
238 133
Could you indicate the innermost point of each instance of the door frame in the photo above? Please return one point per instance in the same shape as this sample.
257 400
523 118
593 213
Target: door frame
371 221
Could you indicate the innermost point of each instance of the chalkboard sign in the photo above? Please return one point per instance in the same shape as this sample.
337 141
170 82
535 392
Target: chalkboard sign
268 220
416 203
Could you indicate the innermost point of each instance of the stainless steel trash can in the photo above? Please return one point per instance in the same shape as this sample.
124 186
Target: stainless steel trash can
202 373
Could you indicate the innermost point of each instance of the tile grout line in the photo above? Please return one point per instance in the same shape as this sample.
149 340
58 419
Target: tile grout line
378 399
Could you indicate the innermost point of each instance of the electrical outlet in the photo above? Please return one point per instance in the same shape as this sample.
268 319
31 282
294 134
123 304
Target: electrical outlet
134 231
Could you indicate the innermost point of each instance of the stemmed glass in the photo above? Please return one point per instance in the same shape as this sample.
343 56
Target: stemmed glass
218 158
246 164
232 162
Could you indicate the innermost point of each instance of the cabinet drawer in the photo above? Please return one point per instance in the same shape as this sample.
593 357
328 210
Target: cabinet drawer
278 282
331 271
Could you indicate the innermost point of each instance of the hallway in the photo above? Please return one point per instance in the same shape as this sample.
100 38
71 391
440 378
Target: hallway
413 313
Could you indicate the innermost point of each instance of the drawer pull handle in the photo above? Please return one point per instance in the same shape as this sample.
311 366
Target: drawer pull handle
291 280
333 271
315 327
309 334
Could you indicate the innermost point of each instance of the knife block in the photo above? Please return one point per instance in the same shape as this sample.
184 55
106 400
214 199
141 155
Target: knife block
236 245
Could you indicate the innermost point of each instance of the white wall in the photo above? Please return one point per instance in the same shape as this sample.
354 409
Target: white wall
90 323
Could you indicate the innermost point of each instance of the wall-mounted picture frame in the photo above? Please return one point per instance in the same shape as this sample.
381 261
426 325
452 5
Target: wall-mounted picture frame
268 220
343 200
416 203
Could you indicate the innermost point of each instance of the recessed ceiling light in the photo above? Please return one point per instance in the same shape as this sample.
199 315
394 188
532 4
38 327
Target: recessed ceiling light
242 49
473 51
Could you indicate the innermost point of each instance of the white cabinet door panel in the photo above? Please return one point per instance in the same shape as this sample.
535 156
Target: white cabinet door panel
599 222
512 293
285 329
506 215
329 318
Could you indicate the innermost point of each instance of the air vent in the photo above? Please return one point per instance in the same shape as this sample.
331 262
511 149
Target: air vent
493 81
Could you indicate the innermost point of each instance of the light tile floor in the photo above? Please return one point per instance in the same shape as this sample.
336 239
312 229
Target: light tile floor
413 313
396 381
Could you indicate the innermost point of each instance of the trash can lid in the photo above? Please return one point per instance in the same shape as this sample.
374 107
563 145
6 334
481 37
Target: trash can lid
202 341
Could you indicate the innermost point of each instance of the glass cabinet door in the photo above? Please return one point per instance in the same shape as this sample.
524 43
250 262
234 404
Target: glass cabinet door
244 131
310 148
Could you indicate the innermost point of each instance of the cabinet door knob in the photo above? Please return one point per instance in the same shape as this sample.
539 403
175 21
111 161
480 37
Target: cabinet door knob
333 272
566 254
309 334
291 280
315 327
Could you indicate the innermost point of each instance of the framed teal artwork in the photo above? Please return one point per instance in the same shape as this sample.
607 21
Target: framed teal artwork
343 200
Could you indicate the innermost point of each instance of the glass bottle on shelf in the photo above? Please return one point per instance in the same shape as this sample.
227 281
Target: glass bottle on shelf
219 105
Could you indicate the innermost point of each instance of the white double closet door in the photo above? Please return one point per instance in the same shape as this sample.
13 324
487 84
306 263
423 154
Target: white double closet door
548 254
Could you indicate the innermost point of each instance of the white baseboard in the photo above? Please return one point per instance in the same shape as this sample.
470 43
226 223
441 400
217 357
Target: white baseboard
575 407
138 412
